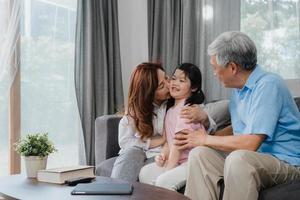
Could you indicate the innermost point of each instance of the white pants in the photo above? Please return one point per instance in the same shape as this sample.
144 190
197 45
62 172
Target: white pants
172 179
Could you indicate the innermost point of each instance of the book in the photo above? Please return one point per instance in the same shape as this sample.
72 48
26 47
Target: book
60 175
103 188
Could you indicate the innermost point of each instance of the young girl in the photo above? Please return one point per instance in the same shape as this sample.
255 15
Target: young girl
169 169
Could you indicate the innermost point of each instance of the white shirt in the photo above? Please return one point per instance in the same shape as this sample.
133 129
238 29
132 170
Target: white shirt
129 137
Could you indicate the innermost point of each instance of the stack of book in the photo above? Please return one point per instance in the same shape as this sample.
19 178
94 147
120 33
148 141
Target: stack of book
60 175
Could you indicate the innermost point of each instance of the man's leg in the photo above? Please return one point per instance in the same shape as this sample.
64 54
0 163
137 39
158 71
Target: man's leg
205 169
246 172
129 163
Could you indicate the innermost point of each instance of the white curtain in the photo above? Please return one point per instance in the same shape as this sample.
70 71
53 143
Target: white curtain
10 13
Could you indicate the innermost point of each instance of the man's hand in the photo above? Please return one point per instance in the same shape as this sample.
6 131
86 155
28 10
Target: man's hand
189 139
194 114
160 160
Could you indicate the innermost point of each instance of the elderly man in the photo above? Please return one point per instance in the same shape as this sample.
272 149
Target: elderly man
262 147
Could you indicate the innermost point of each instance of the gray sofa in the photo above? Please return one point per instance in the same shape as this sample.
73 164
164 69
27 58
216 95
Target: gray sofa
106 135
107 148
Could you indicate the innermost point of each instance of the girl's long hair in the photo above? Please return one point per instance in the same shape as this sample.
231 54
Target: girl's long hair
192 72
143 84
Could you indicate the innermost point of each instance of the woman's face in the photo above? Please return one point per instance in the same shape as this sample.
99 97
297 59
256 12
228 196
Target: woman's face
162 92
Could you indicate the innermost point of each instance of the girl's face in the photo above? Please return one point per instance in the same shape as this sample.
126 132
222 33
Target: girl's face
180 85
162 92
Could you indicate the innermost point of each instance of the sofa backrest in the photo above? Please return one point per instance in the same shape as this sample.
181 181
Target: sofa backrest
219 111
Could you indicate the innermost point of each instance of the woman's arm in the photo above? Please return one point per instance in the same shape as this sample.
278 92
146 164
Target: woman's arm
157 140
128 135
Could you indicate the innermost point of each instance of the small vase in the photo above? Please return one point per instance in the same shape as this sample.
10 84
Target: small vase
33 164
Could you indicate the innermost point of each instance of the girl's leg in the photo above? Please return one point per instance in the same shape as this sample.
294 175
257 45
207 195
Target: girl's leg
128 165
149 173
173 179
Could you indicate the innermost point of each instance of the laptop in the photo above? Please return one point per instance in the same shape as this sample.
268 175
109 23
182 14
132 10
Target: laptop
103 189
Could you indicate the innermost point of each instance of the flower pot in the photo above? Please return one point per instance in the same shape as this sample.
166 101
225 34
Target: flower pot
33 164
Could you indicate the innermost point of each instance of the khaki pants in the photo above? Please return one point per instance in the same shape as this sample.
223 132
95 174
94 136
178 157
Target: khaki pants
245 173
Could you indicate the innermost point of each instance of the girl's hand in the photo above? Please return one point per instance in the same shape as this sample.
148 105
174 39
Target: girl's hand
160 160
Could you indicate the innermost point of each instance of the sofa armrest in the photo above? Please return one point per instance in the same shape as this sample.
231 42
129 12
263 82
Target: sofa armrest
106 137
219 112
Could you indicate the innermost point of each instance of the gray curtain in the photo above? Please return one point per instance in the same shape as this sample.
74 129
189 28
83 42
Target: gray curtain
98 81
178 33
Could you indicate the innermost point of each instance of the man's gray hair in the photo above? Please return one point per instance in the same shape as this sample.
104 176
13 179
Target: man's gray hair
234 46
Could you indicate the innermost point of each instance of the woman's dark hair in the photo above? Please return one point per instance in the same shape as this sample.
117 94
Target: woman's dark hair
192 72
143 84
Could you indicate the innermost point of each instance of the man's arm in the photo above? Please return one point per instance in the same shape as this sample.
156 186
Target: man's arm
195 114
190 139
230 143
225 131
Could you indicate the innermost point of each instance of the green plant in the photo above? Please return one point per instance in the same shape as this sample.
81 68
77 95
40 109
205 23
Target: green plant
35 145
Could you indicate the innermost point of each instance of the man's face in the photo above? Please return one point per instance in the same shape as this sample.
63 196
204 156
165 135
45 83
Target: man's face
224 73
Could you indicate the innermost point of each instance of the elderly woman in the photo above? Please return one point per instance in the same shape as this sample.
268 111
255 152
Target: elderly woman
141 128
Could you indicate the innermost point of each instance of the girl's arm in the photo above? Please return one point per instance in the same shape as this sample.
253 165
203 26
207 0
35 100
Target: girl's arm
173 157
161 159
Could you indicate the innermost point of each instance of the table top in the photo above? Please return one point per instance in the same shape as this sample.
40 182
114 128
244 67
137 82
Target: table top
21 187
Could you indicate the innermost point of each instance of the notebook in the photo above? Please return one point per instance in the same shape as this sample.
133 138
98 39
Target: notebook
103 188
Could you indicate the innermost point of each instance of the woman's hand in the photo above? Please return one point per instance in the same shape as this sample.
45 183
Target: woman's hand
189 139
160 160
157 140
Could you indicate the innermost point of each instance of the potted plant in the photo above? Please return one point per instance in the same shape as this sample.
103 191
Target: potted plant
35 148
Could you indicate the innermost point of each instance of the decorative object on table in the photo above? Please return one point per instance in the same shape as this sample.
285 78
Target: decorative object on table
103 189
35 148
62 174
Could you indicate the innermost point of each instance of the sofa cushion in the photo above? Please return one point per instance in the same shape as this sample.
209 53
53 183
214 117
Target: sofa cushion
290 191
219 111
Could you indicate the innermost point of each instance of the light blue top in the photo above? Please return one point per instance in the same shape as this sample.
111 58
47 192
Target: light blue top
265 106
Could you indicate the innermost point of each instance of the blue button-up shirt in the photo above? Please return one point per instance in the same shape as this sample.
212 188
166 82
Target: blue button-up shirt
265 106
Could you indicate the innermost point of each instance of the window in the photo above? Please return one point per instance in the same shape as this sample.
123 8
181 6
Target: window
48 101
274 26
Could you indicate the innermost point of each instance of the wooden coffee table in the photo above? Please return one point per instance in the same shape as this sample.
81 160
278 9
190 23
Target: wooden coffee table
20 187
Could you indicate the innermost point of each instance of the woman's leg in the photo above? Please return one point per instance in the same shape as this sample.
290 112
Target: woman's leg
129 163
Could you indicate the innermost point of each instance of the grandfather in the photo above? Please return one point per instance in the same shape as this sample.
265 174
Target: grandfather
262 147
